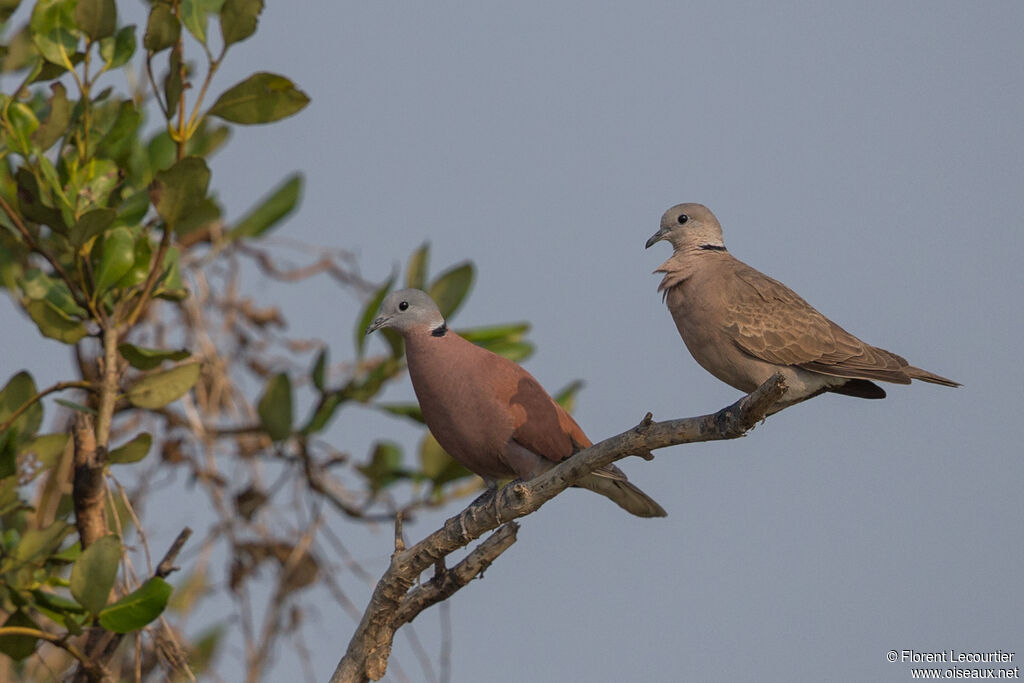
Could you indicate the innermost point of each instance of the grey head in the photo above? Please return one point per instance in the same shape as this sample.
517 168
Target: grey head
406 311
689 226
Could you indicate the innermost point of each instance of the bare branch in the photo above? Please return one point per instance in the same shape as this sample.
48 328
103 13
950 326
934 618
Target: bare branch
370 647
166 566
447 582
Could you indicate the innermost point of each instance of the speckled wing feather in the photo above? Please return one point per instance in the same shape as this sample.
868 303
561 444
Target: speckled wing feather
771 322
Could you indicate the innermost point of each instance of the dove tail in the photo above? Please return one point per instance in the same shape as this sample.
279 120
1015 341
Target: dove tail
622 493
925 376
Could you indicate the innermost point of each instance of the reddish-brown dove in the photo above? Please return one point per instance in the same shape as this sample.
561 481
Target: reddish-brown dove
742 326
488 413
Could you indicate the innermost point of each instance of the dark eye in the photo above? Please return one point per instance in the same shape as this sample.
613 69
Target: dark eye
682 218
404 305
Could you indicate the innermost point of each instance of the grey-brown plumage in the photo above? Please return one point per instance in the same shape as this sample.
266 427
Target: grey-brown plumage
743 326
487 412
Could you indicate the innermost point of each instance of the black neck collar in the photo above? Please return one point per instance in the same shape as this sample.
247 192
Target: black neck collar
439 331
712 247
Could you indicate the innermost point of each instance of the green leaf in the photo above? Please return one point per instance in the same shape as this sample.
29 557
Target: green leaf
437 465
162 28
261 98
329 404
117 258
77 407
138 608
491 333
94 572
90 224
7 8
36 205
270 210
24 124
54 31
9 500
157 390
120 137
410 410
207 212
504 340
180 190
96 18
238 19
161 151
21 52
38 544
385 466
451 287
416 271
59 609
275 407
370 385
173 81
147 359
102 176
47 449
18 647
53 186
133 451
57 122
37 285
139 271
53 323
11 268
133 208
18 391
57 602
193 15
513 350
567 396
169 285
369 313
320 369
118 48
8 463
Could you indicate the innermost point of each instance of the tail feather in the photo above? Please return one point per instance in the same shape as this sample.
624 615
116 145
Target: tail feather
624 494
925 376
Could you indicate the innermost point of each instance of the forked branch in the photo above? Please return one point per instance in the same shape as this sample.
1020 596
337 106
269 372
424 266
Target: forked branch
393 604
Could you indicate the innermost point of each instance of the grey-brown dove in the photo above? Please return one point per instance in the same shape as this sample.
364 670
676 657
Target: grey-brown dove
488 413
742 326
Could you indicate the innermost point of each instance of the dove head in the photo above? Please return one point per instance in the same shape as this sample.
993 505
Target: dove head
690 226
408 311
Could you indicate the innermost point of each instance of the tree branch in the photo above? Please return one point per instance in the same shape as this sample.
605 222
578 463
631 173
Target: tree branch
59 386
447 581
391 603
88 490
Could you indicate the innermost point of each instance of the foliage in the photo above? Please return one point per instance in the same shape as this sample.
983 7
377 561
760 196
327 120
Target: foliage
110 236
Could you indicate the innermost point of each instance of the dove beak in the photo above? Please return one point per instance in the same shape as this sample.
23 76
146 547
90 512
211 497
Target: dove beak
380 322
656 237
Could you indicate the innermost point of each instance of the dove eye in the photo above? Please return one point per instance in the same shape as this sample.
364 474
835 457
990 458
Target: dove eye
682 218
404 305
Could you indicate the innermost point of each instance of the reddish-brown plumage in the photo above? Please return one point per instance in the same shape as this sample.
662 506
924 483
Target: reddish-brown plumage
476 402
488 412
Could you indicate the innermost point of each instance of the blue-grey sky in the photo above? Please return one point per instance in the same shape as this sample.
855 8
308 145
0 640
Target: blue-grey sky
870 155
